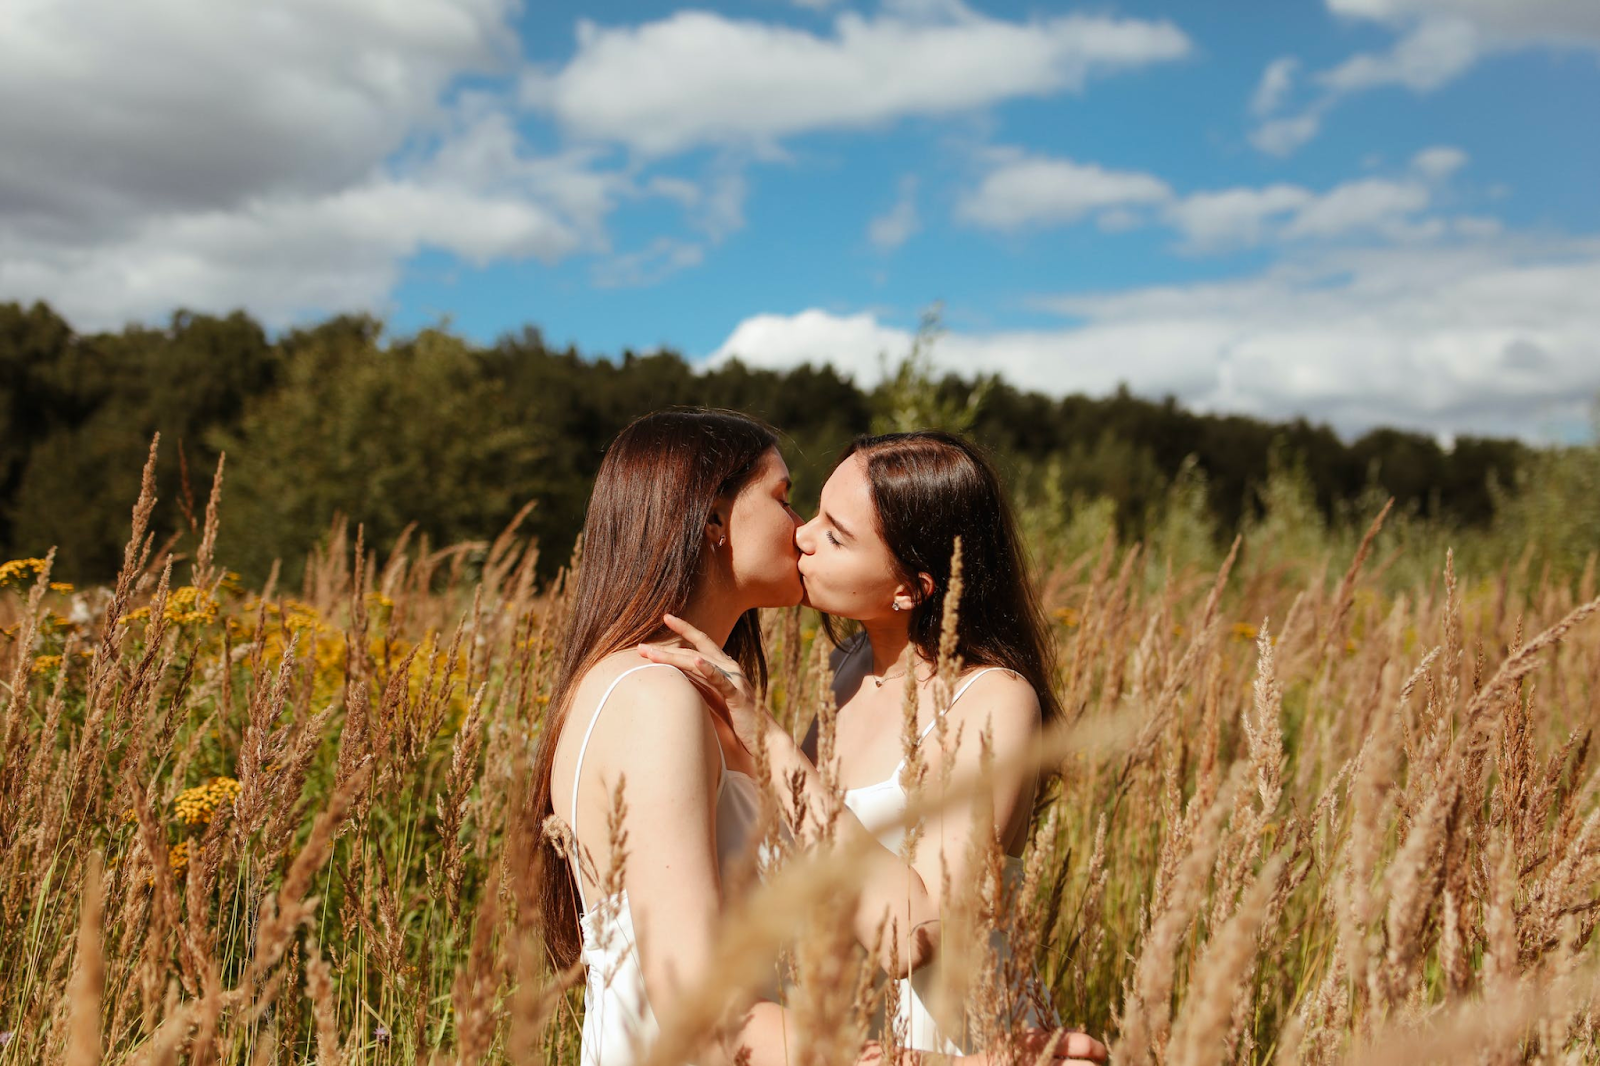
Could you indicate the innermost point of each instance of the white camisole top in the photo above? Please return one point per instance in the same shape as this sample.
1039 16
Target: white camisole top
878 806
618 1024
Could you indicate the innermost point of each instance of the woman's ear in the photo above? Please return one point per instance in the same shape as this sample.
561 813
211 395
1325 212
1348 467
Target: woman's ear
716 527
918 595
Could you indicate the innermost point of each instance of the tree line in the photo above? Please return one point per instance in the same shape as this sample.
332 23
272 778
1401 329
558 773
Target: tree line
336 418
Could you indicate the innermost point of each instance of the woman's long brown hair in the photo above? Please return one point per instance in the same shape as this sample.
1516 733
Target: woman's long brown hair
928 487
643 543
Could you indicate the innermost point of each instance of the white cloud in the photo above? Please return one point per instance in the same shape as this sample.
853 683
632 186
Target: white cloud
1022 190
1276 82
115 109
894 227
1283 136
1498 337
282 257
697 77
1439 162
1559 22
1433 53
854 343
1373 204
288 158
1235 216
1439 40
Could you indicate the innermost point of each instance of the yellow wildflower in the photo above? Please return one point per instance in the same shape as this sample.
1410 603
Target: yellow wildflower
1067 616
60 586
196 805
46 662
187 605
1244 631
20 569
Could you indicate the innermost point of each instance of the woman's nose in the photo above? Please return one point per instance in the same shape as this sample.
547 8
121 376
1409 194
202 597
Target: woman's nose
802 536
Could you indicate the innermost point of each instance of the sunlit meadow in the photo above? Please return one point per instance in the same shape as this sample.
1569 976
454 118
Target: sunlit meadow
1328 796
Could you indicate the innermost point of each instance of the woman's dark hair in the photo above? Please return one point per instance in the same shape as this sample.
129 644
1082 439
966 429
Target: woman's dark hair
928 487
643 540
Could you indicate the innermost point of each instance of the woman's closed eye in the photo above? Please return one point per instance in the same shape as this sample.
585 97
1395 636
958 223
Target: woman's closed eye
832 539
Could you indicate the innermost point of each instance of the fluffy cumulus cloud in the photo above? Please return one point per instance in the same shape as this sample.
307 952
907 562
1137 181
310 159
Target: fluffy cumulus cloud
216 155
1024 191
1426 57
1496 336
699 77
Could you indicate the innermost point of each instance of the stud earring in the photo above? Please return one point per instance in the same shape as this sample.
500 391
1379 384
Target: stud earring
895 605
722 540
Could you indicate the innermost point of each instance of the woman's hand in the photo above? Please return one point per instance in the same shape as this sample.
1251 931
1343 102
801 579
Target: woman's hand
718 675
1074 1048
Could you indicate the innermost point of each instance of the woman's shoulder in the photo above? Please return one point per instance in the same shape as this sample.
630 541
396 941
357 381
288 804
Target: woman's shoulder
999 693
626 677
651 716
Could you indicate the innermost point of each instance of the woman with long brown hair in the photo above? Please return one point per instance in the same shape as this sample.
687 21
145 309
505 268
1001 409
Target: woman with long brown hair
690 519
878 553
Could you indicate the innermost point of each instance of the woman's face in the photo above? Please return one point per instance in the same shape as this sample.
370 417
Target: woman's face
844 562
761 537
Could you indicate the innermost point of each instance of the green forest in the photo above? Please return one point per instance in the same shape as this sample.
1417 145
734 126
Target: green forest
341 419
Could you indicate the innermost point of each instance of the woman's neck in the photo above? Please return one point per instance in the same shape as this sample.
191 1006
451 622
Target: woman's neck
713 615
890 641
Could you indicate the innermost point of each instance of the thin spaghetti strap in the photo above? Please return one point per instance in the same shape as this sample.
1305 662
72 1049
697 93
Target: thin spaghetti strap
929 727
577 769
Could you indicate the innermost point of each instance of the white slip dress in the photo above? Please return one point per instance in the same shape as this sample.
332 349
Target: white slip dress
618 1024
879 806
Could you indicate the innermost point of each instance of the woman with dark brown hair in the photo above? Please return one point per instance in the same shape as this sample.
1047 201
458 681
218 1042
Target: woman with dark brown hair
879 553
689 520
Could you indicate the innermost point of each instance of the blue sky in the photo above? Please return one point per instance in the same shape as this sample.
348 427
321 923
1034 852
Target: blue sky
1363 211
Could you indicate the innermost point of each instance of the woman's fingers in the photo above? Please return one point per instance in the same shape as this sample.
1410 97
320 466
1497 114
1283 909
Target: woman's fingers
1083 1046
690 633
693 661
1070 1045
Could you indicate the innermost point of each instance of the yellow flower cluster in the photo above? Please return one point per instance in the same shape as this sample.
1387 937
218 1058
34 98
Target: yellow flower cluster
1066 616
185 605
196 805
1244 631
189 604
178 857
46 663
20 569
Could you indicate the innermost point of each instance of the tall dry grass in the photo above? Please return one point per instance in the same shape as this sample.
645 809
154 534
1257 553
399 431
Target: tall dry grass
1315 822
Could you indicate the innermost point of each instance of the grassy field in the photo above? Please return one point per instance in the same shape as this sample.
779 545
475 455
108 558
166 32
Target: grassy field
1325 798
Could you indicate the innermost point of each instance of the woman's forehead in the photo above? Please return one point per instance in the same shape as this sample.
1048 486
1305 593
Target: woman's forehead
773 468
847 488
